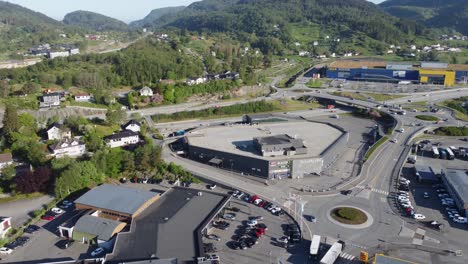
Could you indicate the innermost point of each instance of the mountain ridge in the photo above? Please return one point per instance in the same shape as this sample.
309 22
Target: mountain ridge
94 21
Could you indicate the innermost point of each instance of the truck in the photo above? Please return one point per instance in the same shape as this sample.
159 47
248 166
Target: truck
435 153
332 254
450 154
315 246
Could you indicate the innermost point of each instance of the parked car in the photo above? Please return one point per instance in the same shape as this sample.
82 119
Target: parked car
57 210
31 229
234 209
262 225
5 250
213 237
283 239
48 217
346 192
419 217
229 216
460 220
256 218
252 222
212 186
98 251
64 243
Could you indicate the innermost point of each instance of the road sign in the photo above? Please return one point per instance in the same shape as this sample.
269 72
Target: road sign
364 256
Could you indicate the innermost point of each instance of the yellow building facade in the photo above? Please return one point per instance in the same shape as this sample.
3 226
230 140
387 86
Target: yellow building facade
437 76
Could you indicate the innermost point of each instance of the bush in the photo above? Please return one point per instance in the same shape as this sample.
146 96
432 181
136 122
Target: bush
452 131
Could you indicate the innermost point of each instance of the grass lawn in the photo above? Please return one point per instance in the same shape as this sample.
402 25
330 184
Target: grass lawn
374 147
384 97
106 130
348 215
427 118
458 114
350 95
287 105
315 83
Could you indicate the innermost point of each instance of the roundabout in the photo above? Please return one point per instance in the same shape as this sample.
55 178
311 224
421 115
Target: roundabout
350 217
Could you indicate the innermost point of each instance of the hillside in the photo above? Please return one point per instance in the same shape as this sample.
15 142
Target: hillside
277 18
94 21
452 14
155 15
22 27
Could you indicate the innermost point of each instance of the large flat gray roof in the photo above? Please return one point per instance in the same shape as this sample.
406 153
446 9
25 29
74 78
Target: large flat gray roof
116 198
238 139
459 181
170 227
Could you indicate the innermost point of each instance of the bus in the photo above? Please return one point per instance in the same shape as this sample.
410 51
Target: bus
435 153
332 254
314 246
450 154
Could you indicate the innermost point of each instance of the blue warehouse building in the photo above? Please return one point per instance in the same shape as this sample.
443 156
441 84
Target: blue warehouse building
395 72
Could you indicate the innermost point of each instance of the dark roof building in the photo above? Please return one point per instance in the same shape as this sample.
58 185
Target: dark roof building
279 145
116 202
456 182
172 227
101 228
425 173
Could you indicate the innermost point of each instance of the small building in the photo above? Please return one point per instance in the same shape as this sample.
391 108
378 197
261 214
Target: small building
74 51
50 100
82 97
279 145
425 173
195 81
57 132
57 54
122 139
456 182
145 91
68 147
90 229
5 226
132 125
5 160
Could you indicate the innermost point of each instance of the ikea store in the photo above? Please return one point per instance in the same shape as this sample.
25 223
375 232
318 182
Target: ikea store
381 71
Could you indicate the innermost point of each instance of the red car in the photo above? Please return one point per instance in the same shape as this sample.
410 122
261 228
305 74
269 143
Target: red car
261 204
259 232
48 217
255 197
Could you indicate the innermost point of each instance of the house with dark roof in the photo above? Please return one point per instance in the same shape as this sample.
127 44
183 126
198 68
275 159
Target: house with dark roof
57 132
71 147
122 139
132 125
82 97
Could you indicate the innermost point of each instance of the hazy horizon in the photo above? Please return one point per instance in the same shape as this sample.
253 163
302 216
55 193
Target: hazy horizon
126 11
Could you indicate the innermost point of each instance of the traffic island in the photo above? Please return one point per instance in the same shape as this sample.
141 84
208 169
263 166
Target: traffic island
350 217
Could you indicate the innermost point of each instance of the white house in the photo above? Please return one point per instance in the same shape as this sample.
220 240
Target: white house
145 91
133 125
304 53
56 54
122 139
68 147
74 51
82 97
50 100
195 81
5 226
57 132
5 160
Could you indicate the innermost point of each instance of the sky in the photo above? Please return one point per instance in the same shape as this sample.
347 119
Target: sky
125 10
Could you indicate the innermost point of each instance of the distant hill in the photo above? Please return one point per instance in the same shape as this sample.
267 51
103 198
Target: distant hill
276 18
155 15
94 21
21 27
451 14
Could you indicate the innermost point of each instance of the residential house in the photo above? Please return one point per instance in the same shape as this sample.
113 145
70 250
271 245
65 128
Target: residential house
82 97
57 54
132 125
304 53
50 100
74 51
195 81
5 160
122 139
5 226
58 132
68 147
145 91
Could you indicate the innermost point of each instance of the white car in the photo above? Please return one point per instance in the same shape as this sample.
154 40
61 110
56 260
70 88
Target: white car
276 209
256 202
460 220
252 222
57 210
419 217
97 251
4 250
394 140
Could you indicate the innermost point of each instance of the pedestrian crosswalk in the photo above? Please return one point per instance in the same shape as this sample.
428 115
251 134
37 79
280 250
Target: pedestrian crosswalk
347 256
372 189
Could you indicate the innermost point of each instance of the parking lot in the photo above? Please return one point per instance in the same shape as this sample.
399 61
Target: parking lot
432 199
269 248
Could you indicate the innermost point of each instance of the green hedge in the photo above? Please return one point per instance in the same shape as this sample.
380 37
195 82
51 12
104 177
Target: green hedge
374 147
427 118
